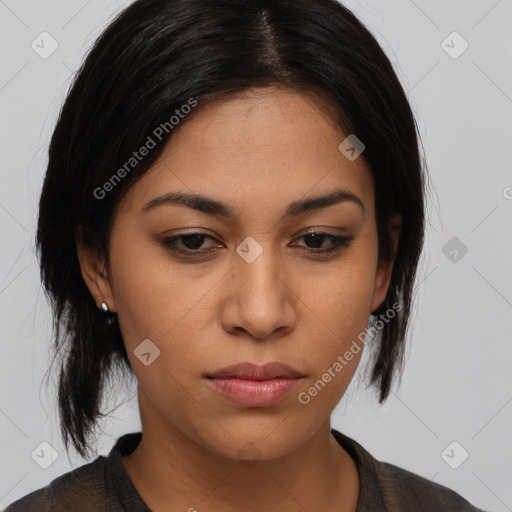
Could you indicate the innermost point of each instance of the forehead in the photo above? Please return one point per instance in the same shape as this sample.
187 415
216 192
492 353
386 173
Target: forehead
255 149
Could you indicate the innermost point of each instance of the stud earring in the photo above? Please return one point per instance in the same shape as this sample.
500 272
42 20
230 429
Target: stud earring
104 307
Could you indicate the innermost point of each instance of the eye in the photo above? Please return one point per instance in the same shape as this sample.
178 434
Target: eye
186 244
190 244
317 239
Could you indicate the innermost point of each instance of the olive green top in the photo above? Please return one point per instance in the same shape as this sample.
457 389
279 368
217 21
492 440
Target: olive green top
104 485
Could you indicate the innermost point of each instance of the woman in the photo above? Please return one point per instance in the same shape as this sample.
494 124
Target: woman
234 190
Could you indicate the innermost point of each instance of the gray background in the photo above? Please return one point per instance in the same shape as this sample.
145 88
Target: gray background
457 382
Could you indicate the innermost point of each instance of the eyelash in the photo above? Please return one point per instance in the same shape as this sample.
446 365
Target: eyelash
339 243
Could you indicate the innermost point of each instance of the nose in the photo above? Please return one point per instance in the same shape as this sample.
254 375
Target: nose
260 301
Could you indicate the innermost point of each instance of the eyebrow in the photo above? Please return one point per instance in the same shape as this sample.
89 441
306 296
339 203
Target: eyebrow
213 207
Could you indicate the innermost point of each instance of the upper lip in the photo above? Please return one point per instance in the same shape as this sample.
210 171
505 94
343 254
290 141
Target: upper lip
251 371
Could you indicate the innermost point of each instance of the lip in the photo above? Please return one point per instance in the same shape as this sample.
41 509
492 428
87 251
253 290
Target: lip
251 371
255 386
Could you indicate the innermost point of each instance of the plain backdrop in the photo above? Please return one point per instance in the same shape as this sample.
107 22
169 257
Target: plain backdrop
455 399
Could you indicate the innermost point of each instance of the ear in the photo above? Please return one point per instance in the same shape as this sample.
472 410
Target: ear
385 268
95 274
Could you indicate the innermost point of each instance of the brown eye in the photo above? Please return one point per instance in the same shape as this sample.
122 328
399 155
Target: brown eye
315 242
190 244
186 244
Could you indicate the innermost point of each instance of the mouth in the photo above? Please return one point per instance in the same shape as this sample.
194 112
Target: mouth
255 386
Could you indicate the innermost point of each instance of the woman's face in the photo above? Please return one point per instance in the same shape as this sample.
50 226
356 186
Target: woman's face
253 286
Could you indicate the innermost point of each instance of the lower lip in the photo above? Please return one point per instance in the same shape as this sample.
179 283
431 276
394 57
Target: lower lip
254 393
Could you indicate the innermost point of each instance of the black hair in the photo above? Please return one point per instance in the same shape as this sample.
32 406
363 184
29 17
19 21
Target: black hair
157 56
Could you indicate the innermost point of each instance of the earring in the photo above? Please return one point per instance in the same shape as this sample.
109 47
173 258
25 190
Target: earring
104 307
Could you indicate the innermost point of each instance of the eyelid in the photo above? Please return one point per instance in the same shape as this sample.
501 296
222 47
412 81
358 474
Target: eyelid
339 242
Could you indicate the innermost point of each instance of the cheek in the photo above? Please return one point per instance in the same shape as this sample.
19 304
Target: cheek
340 305
342 298
156 301
141 288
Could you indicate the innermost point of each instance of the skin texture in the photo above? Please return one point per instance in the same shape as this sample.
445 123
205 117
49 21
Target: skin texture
257 151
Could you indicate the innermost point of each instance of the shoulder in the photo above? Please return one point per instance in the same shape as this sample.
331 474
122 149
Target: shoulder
415 492
82 487
386 487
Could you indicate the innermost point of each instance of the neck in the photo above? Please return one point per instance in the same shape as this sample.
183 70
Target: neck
173 471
